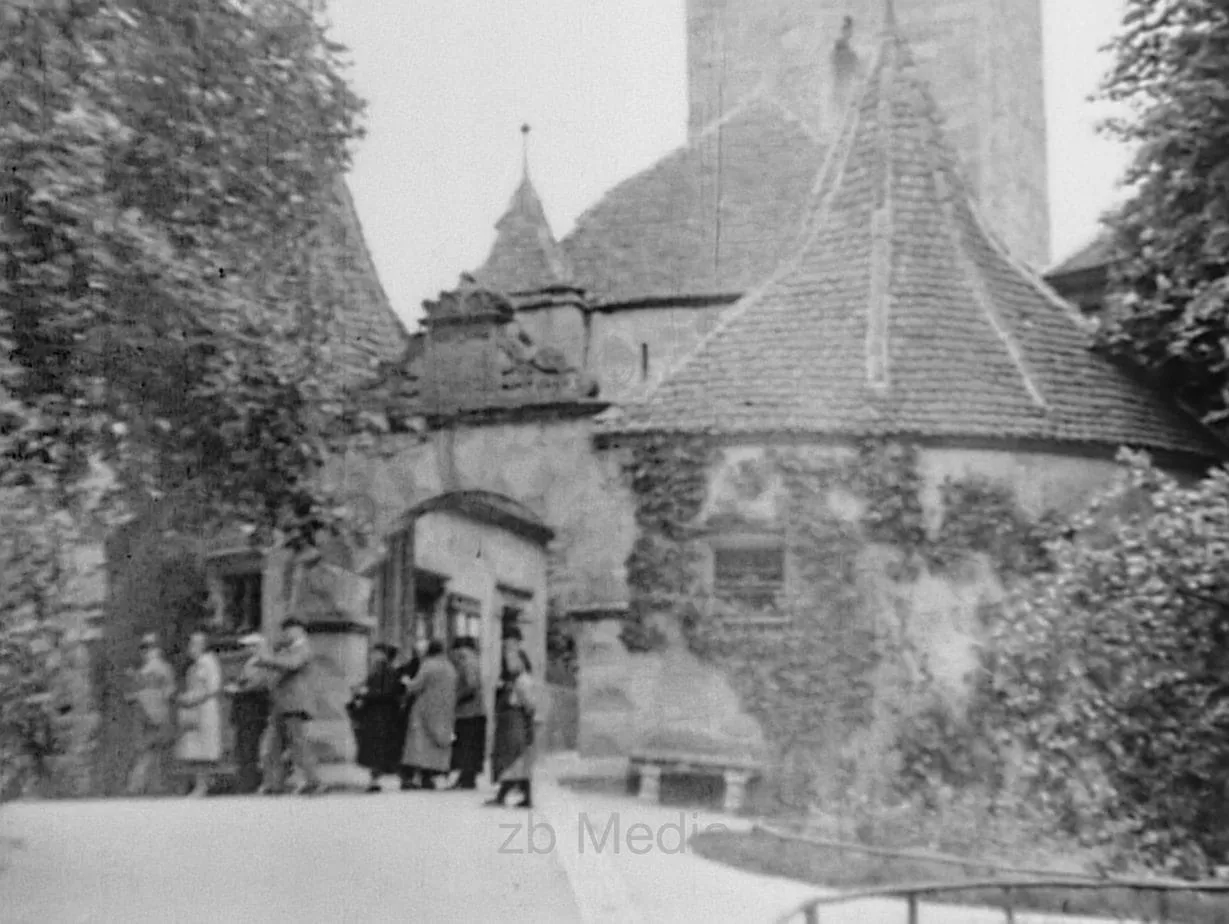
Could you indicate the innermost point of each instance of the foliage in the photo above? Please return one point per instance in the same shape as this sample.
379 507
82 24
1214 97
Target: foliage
1110 674
46 718
166 168
1170 282
668 478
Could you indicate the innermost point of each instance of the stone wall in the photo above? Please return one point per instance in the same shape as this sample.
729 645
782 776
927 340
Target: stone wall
610 344
669 698
619 338
666 699
547 465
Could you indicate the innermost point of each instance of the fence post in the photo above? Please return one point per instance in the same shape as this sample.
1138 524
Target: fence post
1162 903
912 899
1009 904
811 914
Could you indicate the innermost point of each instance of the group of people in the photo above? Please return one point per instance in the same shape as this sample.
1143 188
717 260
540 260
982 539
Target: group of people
426 718
420 720
271 704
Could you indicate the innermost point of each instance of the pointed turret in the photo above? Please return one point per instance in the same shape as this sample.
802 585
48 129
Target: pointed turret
899 313
525 257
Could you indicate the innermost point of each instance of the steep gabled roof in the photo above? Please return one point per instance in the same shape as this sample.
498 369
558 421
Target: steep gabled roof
660 234
363 328
900 314
525 256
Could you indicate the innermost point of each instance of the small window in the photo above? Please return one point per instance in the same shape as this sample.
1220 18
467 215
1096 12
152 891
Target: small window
644 361
241 609
751 576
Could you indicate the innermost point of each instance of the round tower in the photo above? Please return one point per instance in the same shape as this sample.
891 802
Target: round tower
983 59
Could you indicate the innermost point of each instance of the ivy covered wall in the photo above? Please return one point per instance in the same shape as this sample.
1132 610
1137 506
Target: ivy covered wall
894 558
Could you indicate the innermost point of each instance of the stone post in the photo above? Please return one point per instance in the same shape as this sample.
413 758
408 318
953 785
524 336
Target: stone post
650 783
735 790
333 602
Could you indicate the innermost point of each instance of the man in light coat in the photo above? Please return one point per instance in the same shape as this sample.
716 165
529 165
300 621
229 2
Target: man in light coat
292 709
428 743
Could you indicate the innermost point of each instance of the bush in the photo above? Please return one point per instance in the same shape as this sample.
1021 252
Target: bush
1108 675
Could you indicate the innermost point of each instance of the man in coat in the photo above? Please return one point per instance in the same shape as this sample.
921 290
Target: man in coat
376 712
428 744
469 748
155 688
292 707
250 705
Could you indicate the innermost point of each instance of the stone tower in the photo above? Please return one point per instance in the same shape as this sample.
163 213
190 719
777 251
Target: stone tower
983 59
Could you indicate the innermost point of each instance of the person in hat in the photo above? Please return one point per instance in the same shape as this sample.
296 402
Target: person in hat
428 741
376 713
292 709
153 695
469 747
516 718
250 705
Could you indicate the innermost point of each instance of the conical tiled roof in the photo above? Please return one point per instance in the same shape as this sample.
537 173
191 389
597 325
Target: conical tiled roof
901 314
525 256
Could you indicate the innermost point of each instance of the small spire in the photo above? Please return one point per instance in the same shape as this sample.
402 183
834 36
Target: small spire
525 149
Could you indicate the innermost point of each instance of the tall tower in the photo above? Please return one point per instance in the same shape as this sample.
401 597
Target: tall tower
982 58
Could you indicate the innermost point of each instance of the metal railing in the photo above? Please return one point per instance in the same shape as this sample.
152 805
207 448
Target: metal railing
1010 881
809 911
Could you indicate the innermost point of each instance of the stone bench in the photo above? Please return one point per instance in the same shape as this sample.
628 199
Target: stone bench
737 773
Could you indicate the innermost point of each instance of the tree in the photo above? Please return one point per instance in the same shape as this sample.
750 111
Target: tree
1169 299
1109 675
166 167
165 170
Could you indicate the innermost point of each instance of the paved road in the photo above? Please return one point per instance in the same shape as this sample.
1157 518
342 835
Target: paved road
396 857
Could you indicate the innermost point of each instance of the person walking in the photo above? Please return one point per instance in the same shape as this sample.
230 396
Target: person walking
516 718
469 746
292 708
153 696
250 705
428 742
376 712
200 714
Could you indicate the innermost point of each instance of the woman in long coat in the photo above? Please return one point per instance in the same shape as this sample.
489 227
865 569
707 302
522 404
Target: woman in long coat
377 717
516 718
428 743
200 714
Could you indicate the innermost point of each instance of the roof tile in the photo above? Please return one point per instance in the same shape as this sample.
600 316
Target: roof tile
657 234
900 313
525 256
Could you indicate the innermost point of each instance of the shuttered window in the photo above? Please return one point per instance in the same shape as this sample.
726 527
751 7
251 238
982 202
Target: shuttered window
750 576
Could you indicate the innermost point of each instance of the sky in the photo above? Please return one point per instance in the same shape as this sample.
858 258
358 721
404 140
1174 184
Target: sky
602 84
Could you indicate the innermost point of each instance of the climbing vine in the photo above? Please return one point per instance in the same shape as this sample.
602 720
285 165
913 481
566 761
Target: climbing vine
812 666
669 478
